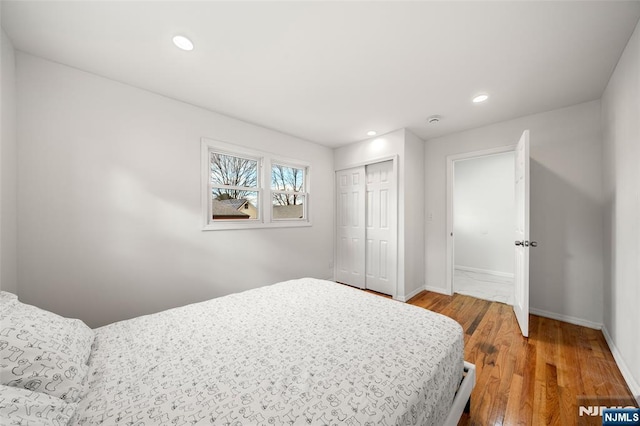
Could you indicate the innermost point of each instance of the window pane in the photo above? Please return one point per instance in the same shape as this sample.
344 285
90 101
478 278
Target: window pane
284 178
233 171
288 206
234 205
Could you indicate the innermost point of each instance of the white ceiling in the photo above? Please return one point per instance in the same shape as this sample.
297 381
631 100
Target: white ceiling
330 71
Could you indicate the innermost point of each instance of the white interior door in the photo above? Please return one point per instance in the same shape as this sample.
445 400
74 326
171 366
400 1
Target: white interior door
521 299
350 251
380 228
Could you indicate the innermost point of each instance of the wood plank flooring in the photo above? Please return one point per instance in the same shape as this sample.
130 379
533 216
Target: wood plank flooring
534 381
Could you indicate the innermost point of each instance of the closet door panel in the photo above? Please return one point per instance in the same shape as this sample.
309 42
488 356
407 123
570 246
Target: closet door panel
381 235
350 229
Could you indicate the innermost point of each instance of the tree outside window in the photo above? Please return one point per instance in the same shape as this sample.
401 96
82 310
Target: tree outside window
288 192
234 187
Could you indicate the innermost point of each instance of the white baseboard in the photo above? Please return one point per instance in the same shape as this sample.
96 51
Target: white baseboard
566 318
437 290
415 292
408 297
622 365
485 271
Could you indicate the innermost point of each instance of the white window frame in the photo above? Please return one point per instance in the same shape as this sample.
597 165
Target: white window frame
304 192
265 193
257 188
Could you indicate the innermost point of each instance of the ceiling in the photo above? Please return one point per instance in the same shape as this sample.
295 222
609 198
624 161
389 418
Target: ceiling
330 71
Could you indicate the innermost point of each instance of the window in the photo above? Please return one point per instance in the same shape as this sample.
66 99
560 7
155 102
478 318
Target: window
288 192
251 189
234 187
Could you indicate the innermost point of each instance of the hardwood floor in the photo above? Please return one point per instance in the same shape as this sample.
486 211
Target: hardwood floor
534 381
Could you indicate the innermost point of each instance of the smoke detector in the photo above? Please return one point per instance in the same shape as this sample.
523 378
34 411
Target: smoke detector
434 119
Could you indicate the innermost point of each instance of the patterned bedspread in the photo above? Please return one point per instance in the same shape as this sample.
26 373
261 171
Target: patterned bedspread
299 352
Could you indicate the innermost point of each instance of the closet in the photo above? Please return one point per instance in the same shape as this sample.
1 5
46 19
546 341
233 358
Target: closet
366 227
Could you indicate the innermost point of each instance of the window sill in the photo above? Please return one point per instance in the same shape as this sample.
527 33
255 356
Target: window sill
226 226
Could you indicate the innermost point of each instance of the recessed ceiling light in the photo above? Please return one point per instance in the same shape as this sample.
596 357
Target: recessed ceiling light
480 98
372 133
182 42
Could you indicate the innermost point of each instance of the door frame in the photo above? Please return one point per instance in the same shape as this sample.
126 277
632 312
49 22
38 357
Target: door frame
451 159
396 220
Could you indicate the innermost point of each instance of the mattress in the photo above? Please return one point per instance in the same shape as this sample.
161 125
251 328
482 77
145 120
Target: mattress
299 352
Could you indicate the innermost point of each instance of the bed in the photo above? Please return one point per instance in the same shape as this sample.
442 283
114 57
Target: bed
298 352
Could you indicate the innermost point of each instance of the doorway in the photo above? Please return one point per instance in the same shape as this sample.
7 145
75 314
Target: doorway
366 227
483 207
520 223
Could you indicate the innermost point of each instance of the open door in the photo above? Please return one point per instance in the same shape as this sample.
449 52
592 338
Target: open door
521 299
350 229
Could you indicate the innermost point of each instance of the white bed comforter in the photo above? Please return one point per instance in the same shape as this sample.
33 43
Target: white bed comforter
298 352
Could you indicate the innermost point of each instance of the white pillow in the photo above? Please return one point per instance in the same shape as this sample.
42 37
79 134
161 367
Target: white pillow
5 295
6 301
22 407
41 351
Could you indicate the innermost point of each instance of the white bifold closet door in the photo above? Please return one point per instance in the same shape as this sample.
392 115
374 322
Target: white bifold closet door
367 227
350 226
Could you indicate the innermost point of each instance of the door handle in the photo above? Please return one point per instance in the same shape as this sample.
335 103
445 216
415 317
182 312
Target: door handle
533 244
520 243
527 243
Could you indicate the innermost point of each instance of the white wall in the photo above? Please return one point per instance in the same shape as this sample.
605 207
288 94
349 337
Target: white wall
8 170
566 206
484 213
621 130
414 214
109 201
406 147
